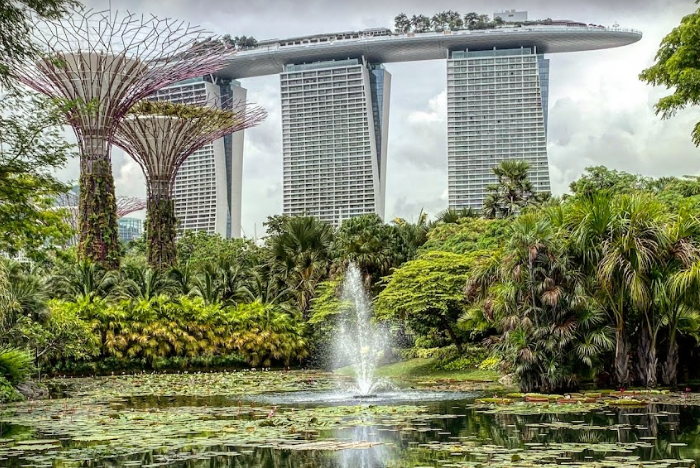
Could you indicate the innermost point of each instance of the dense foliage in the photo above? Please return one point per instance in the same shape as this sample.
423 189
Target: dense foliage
602 285
678 66
31 149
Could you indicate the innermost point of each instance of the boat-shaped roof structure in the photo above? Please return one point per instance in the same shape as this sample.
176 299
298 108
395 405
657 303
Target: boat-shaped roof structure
382 46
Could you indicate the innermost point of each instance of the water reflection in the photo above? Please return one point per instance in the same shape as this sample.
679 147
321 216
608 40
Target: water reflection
454 433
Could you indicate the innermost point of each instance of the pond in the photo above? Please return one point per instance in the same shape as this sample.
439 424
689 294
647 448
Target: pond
299 419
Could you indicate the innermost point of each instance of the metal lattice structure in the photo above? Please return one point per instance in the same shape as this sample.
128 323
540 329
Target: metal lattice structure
128 205
100 64
160 138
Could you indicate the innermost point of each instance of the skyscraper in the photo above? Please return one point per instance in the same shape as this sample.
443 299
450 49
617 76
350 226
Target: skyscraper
208 185
496 110
335 120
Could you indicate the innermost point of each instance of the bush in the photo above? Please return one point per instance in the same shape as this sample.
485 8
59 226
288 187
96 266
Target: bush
448 358
263 334
16 366
491 363
166 334
7 392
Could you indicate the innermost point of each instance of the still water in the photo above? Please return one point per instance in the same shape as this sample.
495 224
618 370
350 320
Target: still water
449 432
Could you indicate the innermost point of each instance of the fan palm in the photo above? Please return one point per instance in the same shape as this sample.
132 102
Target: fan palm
512 192
551 327
144 283
22 295
368 243
619 241
300 257
82 280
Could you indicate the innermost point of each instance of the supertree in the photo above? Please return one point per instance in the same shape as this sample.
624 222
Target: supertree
160 135
98 65
128 205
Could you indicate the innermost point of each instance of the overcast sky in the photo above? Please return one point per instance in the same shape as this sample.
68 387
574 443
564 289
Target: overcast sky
600 114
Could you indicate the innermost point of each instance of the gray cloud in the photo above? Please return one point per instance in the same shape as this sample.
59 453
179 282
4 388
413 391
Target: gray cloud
599 112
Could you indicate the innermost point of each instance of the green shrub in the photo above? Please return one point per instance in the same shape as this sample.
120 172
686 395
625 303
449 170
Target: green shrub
165 334
16 366
449 359
491 363
7 392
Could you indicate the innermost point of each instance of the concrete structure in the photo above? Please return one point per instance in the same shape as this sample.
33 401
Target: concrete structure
335 118
381 46
334 179
208 185
496 110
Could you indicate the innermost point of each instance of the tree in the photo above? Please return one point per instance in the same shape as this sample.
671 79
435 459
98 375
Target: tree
369 243
300 257
31 148
23 299
82 281
468 235
453 215
618 242
427 293
199 249
677 66
401 23
440 21
454 20
512 192
140 283
240 42
420 23
679 285
550 327
17 20
470 19
597 179
410 236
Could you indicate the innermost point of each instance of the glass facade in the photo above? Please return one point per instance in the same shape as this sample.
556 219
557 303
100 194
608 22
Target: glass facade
376 84
497 110
130 229
334 127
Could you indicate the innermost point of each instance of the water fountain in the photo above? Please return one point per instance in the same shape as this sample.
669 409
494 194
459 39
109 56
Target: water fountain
360 342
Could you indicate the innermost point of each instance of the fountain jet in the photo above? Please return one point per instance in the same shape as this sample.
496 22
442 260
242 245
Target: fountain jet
360 342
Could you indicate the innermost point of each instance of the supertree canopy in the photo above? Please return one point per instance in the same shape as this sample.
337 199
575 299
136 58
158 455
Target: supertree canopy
98 65
160 136
128 205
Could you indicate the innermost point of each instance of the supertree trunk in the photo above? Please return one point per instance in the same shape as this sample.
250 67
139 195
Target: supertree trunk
161 226
98 235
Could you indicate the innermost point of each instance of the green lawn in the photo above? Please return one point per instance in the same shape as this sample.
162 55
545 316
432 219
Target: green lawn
417 369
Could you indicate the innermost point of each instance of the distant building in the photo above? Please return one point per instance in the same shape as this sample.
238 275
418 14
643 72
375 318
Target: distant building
130 229
335 107
208 185
335 120
512 16
496 110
